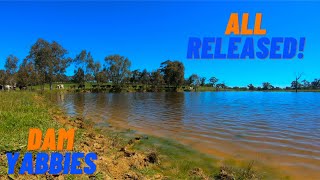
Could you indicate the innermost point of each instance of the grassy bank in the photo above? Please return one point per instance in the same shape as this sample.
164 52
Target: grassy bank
122 154
20 111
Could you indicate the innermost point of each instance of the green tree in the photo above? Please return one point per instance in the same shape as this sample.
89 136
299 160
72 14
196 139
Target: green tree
102 76
79 76
306 84
213 81
202 81
251 87
11 67
144 77
118 68
49 59
173 73
26 75
135 75
3 77
84 65
221 85
157 78
11 64
194 80
93 69
62 78
267 86
315 84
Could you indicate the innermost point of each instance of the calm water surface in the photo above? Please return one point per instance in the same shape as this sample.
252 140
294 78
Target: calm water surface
280 129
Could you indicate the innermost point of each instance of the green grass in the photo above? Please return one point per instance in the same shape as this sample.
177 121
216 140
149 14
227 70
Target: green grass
206 88
20 111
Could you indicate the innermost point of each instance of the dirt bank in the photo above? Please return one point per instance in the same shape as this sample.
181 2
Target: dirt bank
115 161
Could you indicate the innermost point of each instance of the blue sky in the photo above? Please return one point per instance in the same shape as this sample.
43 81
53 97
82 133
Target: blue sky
149 33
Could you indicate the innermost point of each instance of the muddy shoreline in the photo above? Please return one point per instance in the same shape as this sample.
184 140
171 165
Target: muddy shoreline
114 161
117 160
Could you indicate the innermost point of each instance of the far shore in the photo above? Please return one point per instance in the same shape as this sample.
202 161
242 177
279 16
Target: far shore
89 87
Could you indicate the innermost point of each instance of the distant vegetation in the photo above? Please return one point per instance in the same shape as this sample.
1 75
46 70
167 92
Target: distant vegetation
46 63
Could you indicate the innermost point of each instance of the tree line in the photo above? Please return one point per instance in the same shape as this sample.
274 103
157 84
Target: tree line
47 62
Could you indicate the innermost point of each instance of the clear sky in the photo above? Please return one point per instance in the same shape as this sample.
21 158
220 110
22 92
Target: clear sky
149 33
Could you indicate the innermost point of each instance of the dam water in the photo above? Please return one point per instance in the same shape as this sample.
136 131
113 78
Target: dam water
281 129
